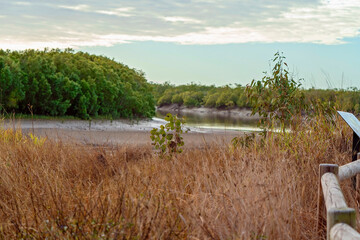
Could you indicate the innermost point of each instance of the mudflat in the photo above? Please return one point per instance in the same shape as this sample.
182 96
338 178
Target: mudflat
119 132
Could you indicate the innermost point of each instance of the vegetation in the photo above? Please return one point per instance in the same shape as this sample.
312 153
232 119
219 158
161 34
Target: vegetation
17 137
344 100
228 97
194 95
277 97
59 83
64 83
262 189
168 139
254 188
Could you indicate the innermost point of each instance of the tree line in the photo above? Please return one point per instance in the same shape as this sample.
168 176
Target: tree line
194 95
57 83
227 97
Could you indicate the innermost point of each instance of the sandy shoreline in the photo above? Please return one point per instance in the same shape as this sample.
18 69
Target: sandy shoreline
119 132
111 138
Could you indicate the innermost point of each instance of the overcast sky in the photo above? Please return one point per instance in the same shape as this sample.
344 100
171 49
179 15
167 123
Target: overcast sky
202 41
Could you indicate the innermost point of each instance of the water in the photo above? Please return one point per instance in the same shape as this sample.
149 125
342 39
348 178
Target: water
197 122
214 121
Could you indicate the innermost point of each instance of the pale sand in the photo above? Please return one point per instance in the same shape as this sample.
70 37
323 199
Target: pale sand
126 137
120 132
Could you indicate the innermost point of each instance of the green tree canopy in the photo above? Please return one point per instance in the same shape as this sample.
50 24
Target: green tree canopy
56 83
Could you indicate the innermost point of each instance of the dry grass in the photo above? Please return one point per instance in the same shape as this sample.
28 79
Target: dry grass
265 191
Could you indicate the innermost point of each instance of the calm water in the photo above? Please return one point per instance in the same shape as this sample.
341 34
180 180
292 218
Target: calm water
215 121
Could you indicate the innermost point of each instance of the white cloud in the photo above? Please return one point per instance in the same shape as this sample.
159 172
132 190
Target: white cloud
121 12
22 3
328 23
181 19
80 7
191 22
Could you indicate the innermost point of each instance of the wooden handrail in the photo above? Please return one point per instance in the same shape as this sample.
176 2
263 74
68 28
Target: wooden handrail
333 195
349 170
340 219
342 231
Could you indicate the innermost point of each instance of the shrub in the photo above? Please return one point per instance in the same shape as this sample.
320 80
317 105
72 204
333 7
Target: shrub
177 98
168 139
277 97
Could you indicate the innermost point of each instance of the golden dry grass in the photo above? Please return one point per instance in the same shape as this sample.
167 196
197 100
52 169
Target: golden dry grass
265 191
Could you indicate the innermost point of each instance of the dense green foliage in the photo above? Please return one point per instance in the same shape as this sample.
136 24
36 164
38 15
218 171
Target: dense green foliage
344 100
227 97
194 95
59 83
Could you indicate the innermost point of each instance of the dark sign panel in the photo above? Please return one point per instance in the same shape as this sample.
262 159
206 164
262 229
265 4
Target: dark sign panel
352 121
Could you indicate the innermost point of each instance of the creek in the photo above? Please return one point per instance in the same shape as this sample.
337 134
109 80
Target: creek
214 121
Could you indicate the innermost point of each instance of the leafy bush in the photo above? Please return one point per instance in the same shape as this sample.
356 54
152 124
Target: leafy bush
244 140
277 97
168 139
210 99
165 99
226 99
177 99
192 99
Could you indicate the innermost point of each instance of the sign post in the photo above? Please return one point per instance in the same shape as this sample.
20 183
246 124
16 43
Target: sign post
354 124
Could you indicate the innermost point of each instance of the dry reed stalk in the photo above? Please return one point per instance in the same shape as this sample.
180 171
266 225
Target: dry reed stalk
265 191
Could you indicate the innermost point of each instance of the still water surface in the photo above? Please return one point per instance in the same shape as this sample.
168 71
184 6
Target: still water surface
215 121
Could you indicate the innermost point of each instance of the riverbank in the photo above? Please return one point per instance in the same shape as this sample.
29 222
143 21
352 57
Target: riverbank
113 133
130 138
206 126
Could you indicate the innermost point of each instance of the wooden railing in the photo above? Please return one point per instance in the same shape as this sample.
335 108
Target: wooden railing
340 219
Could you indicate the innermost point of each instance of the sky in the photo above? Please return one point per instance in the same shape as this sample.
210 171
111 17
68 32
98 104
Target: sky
201 41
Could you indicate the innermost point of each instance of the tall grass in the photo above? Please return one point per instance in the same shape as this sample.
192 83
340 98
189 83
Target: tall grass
267 190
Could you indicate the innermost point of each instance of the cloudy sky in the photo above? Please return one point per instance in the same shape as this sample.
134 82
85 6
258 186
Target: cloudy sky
202 41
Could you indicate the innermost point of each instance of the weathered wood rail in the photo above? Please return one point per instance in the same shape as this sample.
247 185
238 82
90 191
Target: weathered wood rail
340 219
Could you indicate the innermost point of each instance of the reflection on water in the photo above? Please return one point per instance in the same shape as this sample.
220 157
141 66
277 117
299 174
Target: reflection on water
214 121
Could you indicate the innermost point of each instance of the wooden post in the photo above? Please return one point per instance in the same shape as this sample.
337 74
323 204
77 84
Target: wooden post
340 215
321 210
355 151
357 188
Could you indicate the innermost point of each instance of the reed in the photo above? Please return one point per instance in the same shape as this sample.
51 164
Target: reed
266 189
